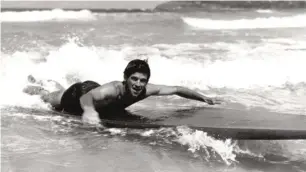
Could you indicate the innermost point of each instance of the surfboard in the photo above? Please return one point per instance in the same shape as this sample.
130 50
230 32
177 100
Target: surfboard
220 123
223 123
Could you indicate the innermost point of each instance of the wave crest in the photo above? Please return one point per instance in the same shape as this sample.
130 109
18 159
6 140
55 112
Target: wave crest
257 23
47 15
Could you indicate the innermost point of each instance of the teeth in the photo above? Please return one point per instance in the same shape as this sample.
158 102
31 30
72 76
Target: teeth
135 90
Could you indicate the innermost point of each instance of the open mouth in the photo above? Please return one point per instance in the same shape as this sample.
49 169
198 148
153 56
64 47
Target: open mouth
136 90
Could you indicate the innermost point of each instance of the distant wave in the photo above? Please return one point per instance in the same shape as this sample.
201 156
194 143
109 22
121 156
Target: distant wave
269 22
264 11
183 6
47 15
95 10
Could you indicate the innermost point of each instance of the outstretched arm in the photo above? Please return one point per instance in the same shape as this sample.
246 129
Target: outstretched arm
180 91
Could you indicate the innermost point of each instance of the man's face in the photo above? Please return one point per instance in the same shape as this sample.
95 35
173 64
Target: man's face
136 83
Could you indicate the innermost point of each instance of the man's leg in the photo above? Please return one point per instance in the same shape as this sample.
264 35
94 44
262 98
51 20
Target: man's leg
35 90
54 98
57 85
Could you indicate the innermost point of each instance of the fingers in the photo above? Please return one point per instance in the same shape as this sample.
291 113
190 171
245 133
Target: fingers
91 120
217 101
213 101
209 101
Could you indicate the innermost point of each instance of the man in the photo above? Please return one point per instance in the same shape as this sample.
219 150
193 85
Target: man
92 100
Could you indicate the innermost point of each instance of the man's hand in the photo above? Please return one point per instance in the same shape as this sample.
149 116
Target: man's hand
91 117
212 101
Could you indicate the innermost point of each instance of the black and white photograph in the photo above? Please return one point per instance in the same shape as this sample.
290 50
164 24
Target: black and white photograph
153 86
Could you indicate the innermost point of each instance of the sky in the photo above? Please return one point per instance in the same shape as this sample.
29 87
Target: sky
93 4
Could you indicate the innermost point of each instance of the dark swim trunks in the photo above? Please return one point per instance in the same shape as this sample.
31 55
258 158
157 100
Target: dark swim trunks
70 101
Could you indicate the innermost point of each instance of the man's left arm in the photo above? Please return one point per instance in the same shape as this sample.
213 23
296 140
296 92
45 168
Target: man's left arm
180 91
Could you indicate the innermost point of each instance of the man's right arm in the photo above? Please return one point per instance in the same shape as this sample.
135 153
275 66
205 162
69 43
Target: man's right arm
87 102
90 115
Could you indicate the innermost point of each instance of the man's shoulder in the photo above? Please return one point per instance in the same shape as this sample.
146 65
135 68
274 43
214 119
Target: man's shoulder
112 84
111 88
116 83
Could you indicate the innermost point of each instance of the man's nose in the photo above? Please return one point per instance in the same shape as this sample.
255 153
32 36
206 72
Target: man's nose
138 83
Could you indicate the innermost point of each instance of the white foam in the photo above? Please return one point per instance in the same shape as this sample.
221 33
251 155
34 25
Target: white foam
242 66
296 21
47 15
264 11
277 65
69 61
251 67
117 131
197 140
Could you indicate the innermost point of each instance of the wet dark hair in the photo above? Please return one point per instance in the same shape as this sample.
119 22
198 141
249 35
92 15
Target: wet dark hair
137 65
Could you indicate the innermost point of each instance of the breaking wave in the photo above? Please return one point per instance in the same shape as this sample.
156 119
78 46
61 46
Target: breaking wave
257 23
47 15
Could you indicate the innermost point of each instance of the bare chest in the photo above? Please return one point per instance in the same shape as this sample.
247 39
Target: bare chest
118 103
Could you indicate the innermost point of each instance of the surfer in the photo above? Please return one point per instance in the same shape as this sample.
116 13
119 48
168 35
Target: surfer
92 100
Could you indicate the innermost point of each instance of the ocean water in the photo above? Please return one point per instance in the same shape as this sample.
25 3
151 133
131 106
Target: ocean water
249 58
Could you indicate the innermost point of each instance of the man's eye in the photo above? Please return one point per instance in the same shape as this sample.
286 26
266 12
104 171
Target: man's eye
143 80
134 78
